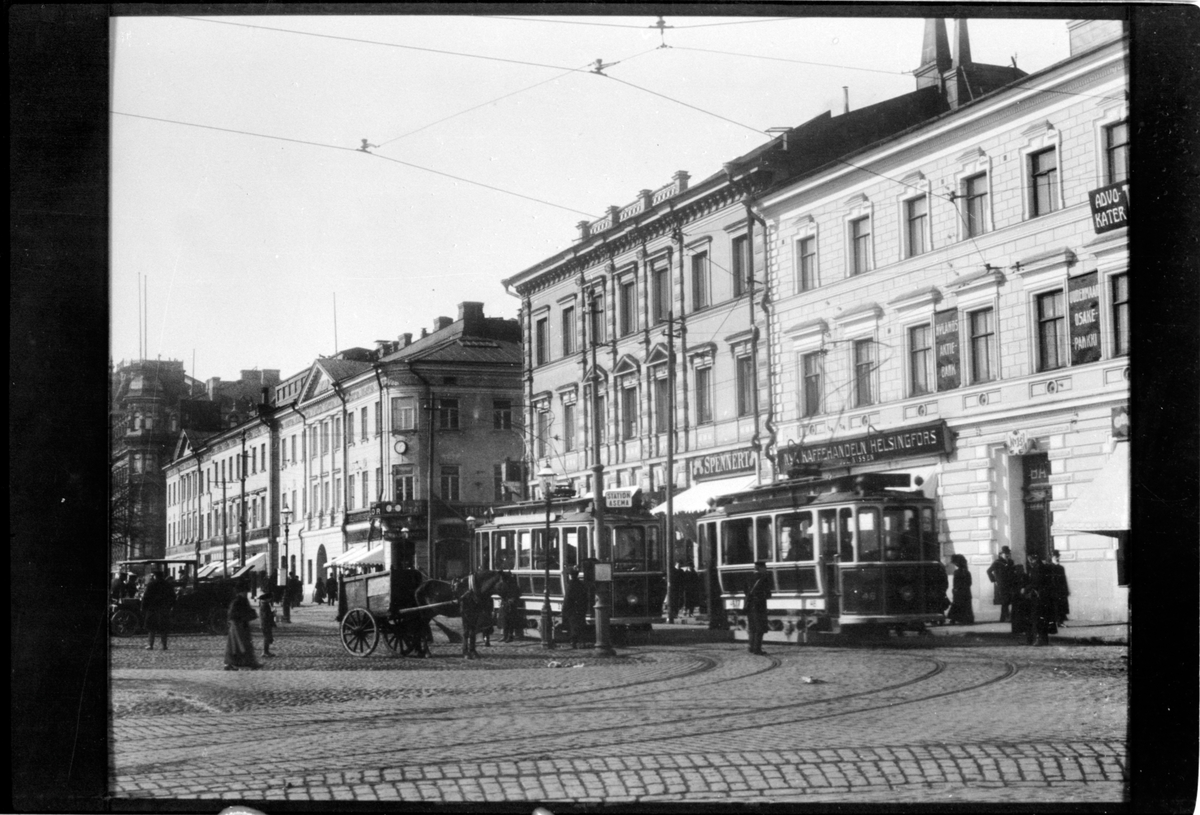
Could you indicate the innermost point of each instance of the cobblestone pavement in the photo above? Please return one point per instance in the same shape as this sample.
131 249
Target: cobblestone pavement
933 719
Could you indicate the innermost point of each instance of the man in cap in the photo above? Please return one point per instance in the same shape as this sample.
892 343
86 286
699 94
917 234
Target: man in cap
757 594
157 601
1001 575
575 607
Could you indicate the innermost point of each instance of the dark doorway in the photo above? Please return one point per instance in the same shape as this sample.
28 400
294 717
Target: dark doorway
1035 468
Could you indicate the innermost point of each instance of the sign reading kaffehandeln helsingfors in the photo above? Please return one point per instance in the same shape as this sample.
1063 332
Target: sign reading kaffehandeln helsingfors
905 442
1110 207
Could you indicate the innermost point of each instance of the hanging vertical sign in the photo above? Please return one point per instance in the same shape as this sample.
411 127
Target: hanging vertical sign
945 332
1083 306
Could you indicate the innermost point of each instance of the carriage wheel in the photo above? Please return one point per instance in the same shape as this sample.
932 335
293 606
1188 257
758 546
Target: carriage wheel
360 633
392 639
216 622
124 623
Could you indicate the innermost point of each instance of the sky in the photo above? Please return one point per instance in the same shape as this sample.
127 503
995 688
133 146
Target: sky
262 237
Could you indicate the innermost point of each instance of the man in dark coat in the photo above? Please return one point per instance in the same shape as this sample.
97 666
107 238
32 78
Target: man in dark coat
1041 594
1062 605
1001 574
118 589
575 608
756 606
157 601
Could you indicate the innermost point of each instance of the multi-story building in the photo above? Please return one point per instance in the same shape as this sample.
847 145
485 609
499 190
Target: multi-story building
647 340
953 301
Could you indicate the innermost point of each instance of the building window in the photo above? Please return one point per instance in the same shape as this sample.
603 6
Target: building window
448 414
1120 313
450 482
741 264
975 204
366 490
316 498
325 507
364 424
860 246
704 411
351 496
806 264
920 355
983 333
864 372
502 414
662 405
629 413
810 376
541 350
700 281
294 458
405 481
350 427
660 283
568 330
596 318
404 413
916 214
569 426
378 419
253 460
499 493
324 438
1043 180
628 304
1051 323
337 493
1116 152
543 430
745 386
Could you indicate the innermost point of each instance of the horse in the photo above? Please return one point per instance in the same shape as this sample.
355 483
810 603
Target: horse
474 595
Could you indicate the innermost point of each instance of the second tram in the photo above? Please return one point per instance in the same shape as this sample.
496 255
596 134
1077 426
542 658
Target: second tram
850 551
515 540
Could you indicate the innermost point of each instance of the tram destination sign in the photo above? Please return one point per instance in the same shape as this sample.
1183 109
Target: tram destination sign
906 442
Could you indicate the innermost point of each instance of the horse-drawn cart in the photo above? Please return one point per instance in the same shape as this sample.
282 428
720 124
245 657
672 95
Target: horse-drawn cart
385 605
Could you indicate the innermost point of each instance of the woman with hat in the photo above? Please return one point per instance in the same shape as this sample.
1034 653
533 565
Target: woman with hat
239 645
266 616
960 612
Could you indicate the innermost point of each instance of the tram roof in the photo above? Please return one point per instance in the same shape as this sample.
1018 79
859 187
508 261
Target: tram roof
801 492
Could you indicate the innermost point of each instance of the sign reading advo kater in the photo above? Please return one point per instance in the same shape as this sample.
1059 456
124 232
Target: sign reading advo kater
945 332
1110 207
1083 310
921 440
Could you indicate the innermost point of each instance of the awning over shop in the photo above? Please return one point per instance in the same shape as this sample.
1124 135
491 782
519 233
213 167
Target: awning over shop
1103 507
358 554
210 569
256 562
694 500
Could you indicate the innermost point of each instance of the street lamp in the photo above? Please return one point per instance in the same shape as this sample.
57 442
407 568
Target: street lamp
286 515
547 476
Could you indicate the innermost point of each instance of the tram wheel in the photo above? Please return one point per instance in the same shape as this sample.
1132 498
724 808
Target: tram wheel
360 633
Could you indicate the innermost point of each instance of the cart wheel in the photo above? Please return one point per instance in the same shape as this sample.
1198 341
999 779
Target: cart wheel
215 621
392 638
124 623
360 633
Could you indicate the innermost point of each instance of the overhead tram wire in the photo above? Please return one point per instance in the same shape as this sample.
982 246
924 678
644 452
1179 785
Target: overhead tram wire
796 61
685 104
640 27
355 150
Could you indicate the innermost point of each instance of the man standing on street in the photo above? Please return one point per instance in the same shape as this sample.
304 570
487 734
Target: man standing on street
157 601
575 608
1000 573
756 606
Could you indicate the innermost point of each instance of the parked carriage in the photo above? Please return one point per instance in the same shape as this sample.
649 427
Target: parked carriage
384 605
855 551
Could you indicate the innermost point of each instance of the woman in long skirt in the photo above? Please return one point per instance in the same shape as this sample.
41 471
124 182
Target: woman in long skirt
960 612
239 646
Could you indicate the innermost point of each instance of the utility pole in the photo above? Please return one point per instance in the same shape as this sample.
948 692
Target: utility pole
603 553
242 506
670 335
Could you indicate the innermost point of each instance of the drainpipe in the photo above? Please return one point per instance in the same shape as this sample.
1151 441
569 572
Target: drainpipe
755 441
765 305
429 469
199 513
304 454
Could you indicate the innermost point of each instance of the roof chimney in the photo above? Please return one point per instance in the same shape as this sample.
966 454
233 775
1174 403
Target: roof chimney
424 333
471 314
214 383
405 340
846 98
441 322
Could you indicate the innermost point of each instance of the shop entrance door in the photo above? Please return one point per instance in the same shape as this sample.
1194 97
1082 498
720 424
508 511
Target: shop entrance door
1036 470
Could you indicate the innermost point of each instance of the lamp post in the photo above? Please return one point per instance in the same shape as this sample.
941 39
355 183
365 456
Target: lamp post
286 515
472 566
547 625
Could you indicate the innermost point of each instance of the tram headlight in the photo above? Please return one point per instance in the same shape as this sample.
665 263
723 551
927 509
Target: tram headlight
632 599
907 594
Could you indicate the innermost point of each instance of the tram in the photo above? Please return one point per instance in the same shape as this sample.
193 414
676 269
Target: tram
514 539
842 552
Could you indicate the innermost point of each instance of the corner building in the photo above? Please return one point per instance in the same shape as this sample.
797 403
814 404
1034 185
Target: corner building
953 301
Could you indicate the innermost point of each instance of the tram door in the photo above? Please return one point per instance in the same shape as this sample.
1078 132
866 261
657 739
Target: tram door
827 532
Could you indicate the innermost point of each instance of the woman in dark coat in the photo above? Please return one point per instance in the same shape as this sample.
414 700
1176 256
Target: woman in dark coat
1021 601
961 612
319 592
239 646
512 609
575 608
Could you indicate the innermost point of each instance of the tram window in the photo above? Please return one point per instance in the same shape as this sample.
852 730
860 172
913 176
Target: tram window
706 533
654 550
828 530
901 538
763 538
629 551
506 551
846 533
929 541
868 533
570 547
483 541
735 541
524 549
795 537
541 549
